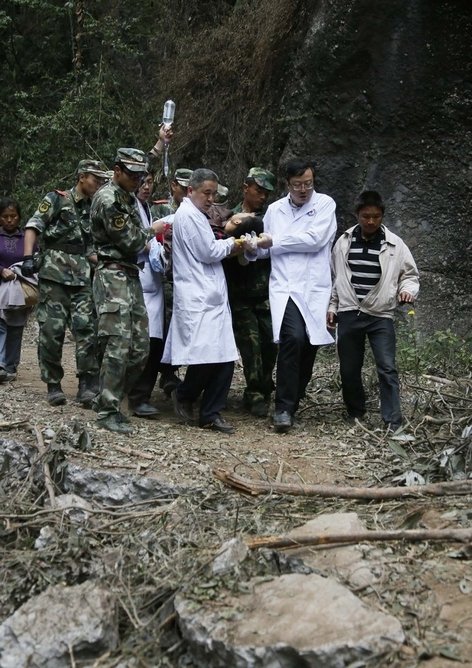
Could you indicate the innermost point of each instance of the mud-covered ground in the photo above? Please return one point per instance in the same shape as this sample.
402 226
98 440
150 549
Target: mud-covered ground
425 585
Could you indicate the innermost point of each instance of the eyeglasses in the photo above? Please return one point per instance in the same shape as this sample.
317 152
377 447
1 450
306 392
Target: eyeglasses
299 186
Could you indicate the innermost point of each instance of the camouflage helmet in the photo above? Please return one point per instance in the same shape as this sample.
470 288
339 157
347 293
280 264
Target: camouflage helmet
182 176
91 167
222 194
262 177
132 159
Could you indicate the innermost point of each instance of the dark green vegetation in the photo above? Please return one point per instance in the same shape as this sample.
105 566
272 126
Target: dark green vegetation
378 92
81 78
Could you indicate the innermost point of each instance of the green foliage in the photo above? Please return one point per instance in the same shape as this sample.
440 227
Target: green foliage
82 78
442 353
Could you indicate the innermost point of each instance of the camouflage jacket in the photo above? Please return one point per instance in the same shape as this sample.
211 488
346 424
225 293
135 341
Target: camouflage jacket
246 283
62 220
163 208
116 225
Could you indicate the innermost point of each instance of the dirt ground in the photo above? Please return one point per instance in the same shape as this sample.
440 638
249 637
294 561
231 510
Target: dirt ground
430 592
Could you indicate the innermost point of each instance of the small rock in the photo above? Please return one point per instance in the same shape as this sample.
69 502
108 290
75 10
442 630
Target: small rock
75 507
231 553
47 536
117 487
345 561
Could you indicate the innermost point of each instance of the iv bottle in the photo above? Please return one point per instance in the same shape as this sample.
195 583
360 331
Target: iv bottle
168 113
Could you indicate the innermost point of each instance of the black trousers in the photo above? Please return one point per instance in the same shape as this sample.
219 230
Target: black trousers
295 360
353 329
144 386
214 380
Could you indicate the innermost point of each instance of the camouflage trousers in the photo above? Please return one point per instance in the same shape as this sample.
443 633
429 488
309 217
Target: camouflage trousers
123 336
252 326
61 306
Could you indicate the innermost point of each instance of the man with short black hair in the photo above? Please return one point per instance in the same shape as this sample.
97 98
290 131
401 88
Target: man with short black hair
200 334
373 271
298 233
63 222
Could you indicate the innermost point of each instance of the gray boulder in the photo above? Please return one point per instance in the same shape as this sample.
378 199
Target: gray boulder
60 623
290 621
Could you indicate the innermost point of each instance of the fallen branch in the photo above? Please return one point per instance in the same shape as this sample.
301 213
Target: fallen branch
134 452
275 542
14 424
256 487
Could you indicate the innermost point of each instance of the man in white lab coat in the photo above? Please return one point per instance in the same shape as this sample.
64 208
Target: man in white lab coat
299 230
201 334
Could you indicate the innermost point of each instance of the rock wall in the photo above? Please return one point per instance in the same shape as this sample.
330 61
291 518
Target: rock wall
384 94
380 92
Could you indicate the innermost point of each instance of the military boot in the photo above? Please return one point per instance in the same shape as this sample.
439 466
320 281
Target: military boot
115 422
88 389
56 396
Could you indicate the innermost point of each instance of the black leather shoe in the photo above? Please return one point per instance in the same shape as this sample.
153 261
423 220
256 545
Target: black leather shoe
219 424
282 421
183 409
145 410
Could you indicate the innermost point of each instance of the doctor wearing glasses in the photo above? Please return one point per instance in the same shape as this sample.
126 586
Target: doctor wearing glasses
299 230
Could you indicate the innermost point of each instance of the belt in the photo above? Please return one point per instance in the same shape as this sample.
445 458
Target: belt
116 266
73 249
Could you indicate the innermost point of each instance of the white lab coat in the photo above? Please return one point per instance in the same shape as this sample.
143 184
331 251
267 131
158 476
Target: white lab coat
151 283
300 260
200 330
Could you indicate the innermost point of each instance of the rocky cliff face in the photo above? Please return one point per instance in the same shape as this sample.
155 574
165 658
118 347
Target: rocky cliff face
384 93
381 94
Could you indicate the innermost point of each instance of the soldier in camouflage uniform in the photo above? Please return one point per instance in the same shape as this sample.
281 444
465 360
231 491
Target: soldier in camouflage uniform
178 189
123 335
65 291
248 289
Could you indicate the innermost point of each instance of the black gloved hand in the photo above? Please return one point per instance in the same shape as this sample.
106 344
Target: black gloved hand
27 268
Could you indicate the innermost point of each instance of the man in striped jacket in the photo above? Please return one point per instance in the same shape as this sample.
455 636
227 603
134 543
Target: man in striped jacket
373 271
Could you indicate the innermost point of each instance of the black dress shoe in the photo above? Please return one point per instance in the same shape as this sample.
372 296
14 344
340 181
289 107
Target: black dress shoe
219 424
183 409
145 410
282 421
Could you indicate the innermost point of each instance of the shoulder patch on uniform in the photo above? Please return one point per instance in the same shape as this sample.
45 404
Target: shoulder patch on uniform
119 222
44 206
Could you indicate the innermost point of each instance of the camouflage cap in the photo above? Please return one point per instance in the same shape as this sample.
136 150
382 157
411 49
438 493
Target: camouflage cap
91 167
132 158
262 177
222 194
182 176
